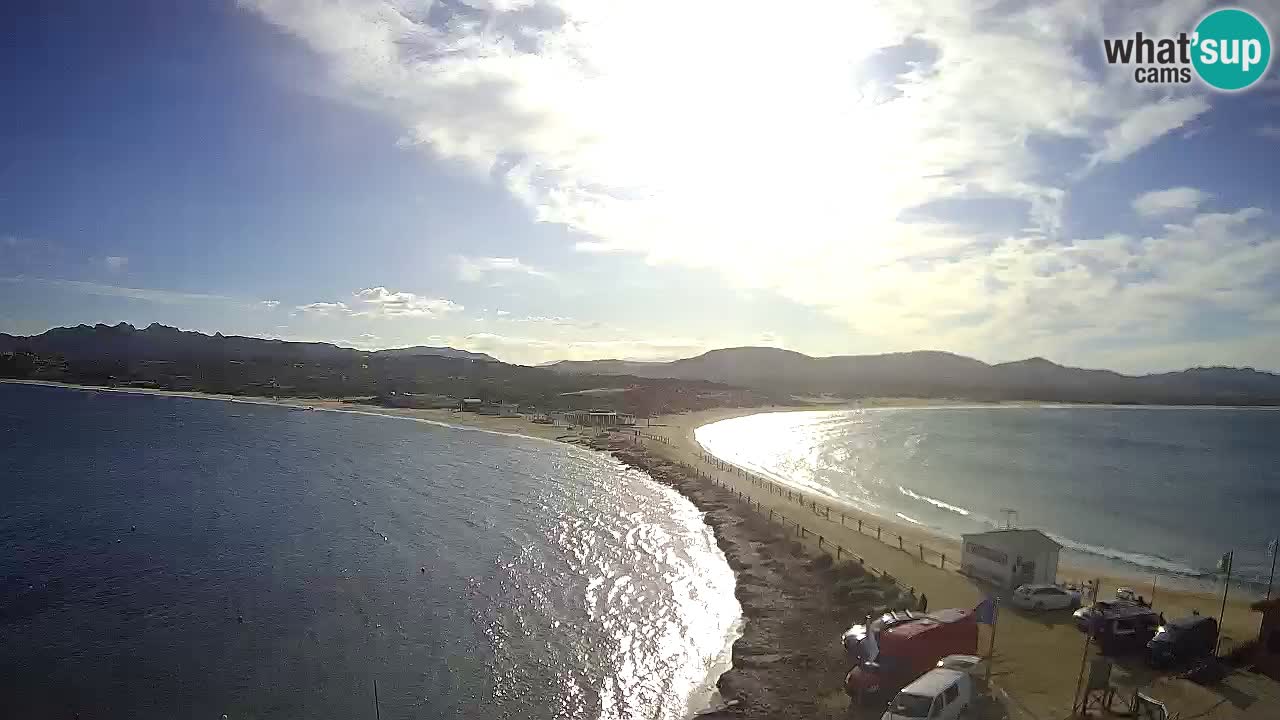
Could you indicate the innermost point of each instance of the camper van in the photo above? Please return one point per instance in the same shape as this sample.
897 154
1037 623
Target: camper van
895 655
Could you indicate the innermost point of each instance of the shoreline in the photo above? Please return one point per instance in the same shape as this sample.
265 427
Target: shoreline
772 647
787 661
1114 571
1038 658
786 658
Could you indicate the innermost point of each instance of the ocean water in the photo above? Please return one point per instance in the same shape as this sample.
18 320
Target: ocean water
1150 491
277 568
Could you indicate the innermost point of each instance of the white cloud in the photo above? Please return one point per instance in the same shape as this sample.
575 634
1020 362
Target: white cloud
115 263
536 350
380 302
1147 124
363 341
324 309
270 304
791 170
475 269
1165 202
169 297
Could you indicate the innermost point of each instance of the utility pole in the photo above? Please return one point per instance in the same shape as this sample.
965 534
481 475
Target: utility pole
1273 549
1224 565
991 648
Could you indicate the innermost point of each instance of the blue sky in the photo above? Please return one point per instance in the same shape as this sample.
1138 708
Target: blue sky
558 179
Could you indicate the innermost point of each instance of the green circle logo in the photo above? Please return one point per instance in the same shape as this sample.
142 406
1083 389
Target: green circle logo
1232 49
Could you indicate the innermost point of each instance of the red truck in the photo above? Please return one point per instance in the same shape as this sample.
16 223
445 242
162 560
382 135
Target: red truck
892 655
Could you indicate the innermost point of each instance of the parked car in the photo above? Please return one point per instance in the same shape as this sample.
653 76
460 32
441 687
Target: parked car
1085 615
939 694
1119 627
896 655
1045 597
972 665
1183 640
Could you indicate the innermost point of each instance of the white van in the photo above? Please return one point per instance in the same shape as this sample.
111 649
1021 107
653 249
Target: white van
940 694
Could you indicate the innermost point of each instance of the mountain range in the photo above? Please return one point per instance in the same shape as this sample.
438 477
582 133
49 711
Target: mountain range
84 341
163 357
946 375
169 357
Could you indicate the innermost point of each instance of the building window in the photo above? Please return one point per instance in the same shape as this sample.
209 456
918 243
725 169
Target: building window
983 551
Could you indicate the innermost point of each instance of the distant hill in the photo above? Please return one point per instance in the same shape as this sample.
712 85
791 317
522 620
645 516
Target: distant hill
164 357
123 338
440 351
940 374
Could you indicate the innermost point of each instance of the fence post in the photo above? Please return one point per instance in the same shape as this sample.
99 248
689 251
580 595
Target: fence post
770 515
943 565
921 552
838 551
859 525
878 529
900 544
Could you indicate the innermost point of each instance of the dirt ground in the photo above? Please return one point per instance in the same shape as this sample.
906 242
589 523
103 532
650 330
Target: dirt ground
789 662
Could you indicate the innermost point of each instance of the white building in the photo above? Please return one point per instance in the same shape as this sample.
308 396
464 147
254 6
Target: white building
599 418
1009 558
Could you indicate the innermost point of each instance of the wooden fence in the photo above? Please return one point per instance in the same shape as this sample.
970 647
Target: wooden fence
794 525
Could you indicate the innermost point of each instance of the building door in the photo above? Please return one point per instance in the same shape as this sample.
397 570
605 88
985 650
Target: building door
1024 573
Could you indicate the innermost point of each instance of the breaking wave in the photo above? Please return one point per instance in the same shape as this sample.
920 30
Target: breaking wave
1142 560
935 502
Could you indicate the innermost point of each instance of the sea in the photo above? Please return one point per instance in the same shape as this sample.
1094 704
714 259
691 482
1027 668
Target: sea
176 557
1155 493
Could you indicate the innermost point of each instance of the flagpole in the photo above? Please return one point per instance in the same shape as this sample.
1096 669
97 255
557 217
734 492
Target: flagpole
1230 559
1274 547
991 648
1084 658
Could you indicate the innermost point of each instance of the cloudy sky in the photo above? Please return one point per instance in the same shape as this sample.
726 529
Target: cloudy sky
546 179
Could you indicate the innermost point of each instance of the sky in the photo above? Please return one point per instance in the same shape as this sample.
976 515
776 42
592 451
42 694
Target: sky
573 179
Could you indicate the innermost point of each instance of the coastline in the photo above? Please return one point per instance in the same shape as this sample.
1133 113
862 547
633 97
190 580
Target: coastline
1038 656
787 661
448 418
681 428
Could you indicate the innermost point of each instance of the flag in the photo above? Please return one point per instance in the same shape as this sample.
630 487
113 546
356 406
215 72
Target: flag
1224 565
986 611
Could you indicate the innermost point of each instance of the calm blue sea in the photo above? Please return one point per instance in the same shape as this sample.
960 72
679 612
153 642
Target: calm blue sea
1159 491
167 557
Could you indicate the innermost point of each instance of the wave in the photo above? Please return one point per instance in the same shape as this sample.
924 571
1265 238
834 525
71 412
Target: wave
1142 560
936 502
911 520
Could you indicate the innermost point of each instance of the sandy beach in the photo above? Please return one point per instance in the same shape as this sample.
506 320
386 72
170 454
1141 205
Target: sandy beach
1037 656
